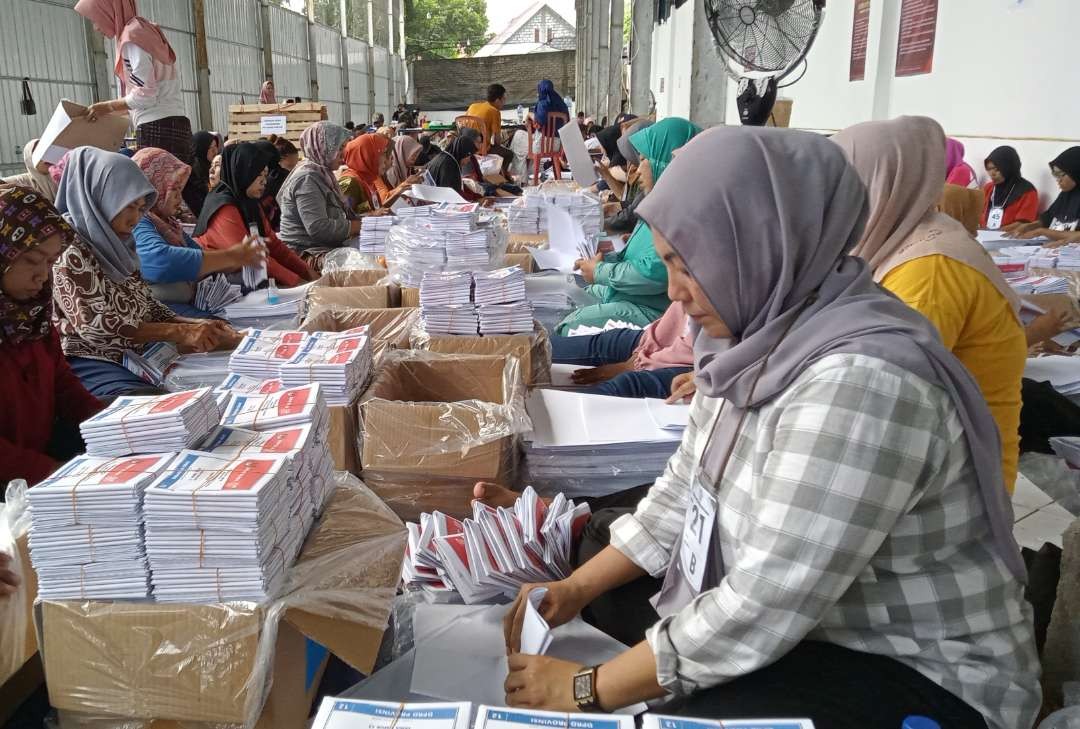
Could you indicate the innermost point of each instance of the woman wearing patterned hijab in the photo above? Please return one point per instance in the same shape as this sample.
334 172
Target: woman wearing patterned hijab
314 216
104 307
44 402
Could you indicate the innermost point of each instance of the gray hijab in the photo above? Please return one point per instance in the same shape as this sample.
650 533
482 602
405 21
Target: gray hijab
772 253
95 187
627 150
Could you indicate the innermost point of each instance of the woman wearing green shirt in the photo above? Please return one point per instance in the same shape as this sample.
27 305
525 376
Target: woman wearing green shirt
631 285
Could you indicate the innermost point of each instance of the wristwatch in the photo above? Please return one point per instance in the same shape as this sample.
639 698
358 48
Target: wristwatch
585 689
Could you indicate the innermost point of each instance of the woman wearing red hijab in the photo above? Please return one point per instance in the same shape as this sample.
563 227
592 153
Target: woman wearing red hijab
149 80
367 159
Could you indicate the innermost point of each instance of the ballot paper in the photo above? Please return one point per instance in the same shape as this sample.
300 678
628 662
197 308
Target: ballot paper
536 634
429 193
528 215
501 286
660 721
373 230
493 554
354 714
215 294
151 424
445 288
491 717
86 538
221 528
292 406
340 362
995 239
592 445
567 243
257 305
261 352
513 318
581 163
1025 284
153 362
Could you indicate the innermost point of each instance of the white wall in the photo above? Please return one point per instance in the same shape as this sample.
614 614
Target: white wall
1004 73
672 62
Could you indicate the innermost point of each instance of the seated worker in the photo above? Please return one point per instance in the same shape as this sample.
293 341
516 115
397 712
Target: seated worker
1061 220
103 307
1009 197
283 157
622 217
933 265
367 159
632 285
957 170
405 156
833 534
631 362
547 100
446 167
314 216
170 261
44 402
490 111
233 207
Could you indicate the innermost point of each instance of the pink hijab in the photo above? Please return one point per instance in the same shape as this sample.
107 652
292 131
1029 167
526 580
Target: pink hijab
120 20
957 171
267 94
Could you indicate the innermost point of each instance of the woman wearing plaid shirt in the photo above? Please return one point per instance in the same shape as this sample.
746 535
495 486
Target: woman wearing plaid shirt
833 534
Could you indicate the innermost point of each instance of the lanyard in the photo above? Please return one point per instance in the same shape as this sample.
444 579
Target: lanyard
993 196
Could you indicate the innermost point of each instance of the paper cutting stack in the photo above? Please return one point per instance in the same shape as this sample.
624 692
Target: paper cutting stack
221 528
262 352
593 445
86 534
158 424
373 230
494 553
446 303
502 303
340 362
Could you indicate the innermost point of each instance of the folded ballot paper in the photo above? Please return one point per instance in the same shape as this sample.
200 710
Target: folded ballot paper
261 352
355 714
87 525
221 528
659 721
215 294
156 424
291 406
373 230
494 553
340 362
153 362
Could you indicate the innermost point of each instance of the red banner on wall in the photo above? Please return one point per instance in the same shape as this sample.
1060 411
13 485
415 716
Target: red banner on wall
860 33
918 29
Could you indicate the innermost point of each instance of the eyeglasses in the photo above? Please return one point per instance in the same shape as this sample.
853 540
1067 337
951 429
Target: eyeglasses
1058 174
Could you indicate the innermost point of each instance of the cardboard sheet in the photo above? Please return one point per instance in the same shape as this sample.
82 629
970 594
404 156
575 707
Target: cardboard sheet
69 129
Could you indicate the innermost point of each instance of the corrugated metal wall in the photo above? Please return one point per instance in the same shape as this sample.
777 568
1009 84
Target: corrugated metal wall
47 42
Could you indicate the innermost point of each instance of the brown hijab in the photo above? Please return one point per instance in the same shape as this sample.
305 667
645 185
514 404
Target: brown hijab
902 164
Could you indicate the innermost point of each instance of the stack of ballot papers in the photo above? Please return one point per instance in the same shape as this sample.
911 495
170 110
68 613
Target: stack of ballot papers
529 214
214 294
501 286
153 362
292 406
261 353
86 533
245 386
451 319
192 371
446 303
373 230
1068 258
1014 258
311 464
1063 373
221 528
156 424
335 713
494 553
513 318
525 216
455 217
1043 258
259 306
1024 284
417 248
341 362
593 445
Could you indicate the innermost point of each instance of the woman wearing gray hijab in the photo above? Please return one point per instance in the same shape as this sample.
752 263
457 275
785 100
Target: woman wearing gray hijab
103 306
635 191
833 535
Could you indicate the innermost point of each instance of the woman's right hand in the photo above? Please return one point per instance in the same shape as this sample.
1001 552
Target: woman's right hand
249 252
203 336
562 603
683 388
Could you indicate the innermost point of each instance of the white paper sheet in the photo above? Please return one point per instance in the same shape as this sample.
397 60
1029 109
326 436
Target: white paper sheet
337 713
581 165
434 194
669 417
566 241
535 632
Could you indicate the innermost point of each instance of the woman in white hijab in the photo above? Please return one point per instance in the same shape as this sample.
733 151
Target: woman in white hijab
36 176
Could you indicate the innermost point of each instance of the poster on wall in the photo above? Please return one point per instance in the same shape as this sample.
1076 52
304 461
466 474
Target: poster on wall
860 32
918 28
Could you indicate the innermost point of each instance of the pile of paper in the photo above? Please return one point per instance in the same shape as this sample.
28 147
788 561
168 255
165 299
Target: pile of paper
192 371
501 286
86 534
1062 372
1014 258
455 218
418 248
525 216
567 244
593 445
214 294
261 353
1043 258
246 386
373 230
445 289
257 306
292 406
1026 284
311 464
528 215
513 318
153 362
497 551
157 424
221 528
406 213
1068 258
340 362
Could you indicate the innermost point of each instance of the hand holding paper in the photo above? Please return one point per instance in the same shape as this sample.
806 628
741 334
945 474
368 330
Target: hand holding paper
535 632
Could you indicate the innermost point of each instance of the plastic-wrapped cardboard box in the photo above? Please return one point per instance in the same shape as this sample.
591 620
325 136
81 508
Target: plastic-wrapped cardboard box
342 439
214 663
388 328
436 416
410 297
348 297
533 350
20 670
524 260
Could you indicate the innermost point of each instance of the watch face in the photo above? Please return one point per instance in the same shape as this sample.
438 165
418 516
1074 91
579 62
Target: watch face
582 686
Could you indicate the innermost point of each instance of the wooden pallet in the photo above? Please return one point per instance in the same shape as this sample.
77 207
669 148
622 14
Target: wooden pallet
245 120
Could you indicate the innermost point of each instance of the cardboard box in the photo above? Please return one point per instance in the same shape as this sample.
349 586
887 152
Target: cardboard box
533 350
68 129
388 328
439 416
410 297
358 277
349 297
524 260
411 497
519 242
20 671
211 663
342 439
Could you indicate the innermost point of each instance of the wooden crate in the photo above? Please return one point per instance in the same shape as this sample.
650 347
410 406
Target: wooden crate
245 120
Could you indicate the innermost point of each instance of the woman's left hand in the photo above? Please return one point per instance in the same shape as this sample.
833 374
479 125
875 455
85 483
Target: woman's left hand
99 109
587 267
540 682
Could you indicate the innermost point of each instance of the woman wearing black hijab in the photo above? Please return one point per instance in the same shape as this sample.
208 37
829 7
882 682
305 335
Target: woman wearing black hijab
1009 197
1061 221
206 147
233 207
274 180
445 168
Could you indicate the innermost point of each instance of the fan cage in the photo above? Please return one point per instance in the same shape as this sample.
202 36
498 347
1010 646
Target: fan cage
766 36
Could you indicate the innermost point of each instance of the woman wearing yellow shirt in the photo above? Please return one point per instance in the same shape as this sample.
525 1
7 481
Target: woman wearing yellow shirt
934 265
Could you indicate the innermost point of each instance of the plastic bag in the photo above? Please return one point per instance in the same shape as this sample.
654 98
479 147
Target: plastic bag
212 662
349 259
534 350
16 628
413 250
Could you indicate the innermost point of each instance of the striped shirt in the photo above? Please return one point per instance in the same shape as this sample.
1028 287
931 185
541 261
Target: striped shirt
848 513
153 88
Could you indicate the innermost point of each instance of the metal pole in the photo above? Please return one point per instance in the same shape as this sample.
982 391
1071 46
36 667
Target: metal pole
267 39
343 51
202 65
371 61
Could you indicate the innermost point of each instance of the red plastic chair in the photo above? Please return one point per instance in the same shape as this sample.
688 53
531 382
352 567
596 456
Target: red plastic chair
550 145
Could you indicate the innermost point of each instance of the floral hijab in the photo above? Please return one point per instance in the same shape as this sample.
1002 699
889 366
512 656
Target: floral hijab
165 172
